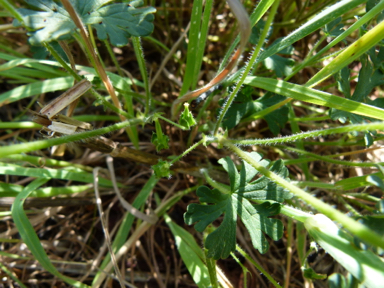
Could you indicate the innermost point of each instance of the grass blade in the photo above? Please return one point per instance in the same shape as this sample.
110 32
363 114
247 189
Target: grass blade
313 96
29 235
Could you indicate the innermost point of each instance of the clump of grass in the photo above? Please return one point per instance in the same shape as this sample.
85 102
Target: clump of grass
294 130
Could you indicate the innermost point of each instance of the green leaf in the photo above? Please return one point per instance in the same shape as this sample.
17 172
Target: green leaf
207 214
282 66
222 241
311 274
240 108
344 81
28 90
230 167
238 202
377 58
334 28
344 116
257 30
41 52
245 107
186 118
369 78
116 21
374 222
265 189
368 139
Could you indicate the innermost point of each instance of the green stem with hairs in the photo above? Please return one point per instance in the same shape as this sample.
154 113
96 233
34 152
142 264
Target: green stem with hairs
349 224
249 66
316 133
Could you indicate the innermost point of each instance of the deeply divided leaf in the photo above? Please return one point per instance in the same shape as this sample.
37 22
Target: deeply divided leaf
239 203
117 21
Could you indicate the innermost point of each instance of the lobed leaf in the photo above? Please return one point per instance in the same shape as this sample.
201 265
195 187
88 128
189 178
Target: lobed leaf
238 202
117 21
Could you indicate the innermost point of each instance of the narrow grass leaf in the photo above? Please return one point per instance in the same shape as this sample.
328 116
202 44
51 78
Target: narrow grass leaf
351 53
29 236
191 253
28 90
202 40
367 267
193 43
326 16
43 161
12 190
19 125
28 62
10 169
357 182
313 96
10 275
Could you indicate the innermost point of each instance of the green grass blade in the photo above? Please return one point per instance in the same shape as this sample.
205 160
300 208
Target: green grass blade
361 21
10 275
202 41
356 182
28 90
12 190
191 253
313 96
47 162
38 64
354 51
19 125
29 236
312 25
193 42
11 169
362 264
